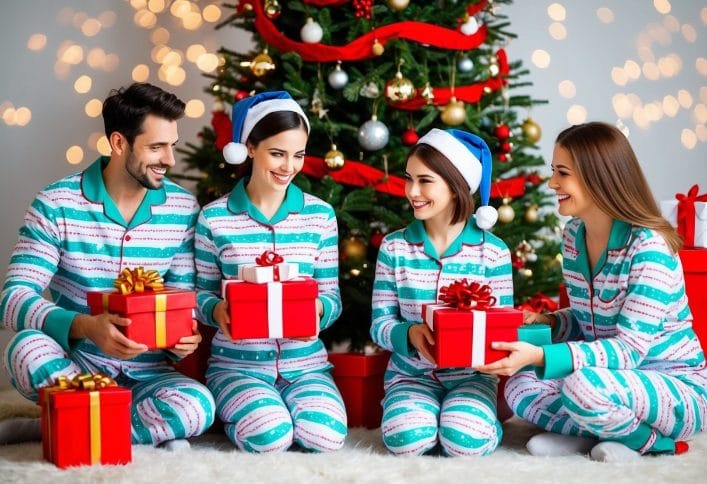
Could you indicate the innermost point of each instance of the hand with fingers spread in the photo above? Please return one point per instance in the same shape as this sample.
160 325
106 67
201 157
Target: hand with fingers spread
522 355
187 344
102 330
421 337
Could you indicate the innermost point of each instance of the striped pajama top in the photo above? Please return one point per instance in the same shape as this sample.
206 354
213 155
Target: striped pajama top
409 273
230 232
630 312
75 240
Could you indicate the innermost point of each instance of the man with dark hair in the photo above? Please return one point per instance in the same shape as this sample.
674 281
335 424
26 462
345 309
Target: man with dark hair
78 235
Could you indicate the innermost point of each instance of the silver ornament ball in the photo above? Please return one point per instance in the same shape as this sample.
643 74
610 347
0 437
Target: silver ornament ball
465 64
338 78
373 135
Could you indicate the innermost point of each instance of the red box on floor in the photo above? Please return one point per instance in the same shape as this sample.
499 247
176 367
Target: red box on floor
694 265
463 338
272 310
159 318
359 378
85 427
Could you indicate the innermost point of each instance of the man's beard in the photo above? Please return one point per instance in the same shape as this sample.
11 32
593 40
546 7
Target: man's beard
142 178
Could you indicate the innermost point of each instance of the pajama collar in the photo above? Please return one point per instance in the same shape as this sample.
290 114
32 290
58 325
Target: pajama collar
238 202
94 189
618 239
471 235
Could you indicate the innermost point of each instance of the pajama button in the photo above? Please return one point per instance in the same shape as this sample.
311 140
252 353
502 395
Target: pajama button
127 238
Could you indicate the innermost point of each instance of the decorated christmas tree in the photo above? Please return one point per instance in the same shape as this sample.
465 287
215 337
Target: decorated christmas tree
374 76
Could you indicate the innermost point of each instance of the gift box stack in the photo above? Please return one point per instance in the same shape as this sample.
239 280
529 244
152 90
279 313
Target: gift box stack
270 300
159 316
688 214
466 324
85 421
359 378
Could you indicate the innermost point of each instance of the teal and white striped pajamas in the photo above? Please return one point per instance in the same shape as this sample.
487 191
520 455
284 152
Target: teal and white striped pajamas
626 364
272 392
74 240
423 406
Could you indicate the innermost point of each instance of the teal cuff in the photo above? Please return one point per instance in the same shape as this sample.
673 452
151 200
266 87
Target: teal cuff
324 321
208 311
637 439
558 362
58 325
400 341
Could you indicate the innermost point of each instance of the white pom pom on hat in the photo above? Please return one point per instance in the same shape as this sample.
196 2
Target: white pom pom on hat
472 157
246 113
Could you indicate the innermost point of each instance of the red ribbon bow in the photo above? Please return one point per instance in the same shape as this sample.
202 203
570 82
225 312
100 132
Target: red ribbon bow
686 213
538 304
269 258
467 296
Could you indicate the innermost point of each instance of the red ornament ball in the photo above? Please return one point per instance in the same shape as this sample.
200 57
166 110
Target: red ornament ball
376 239
502 131
506 147
410 137
240 95
502 157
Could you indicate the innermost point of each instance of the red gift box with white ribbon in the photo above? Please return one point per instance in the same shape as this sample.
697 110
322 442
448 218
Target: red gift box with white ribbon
466 324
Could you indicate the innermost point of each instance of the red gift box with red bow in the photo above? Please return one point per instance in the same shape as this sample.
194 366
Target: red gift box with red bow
276 309
86 421
466 324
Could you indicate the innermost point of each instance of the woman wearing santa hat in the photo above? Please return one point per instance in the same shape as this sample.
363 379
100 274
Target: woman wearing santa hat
270 393
425 406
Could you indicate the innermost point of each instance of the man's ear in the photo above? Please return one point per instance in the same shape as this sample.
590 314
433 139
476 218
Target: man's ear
118 143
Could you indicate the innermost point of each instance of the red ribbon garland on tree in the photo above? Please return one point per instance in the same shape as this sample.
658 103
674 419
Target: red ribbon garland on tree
686 213
360 49
467 296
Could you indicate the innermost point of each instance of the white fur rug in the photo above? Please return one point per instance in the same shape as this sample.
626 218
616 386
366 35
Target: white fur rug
212 459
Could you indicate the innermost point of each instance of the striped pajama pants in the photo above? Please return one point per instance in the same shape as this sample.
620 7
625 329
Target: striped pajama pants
460 415
261 417
166 405
638 408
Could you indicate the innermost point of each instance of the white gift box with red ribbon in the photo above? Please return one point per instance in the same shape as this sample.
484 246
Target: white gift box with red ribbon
284 271
688 214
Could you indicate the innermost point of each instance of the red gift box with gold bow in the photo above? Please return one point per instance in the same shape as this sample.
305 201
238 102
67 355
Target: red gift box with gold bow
159 316
276 309
85 421
466 323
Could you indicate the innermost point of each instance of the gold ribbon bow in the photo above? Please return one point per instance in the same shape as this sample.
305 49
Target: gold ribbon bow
84 381
138 280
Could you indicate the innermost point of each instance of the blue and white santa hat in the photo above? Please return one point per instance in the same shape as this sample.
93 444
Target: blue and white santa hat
246 113
472 157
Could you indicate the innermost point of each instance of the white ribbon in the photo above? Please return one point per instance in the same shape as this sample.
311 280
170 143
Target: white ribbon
275 325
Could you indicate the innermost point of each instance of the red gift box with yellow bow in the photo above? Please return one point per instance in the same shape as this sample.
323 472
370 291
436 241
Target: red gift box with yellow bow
159 316
466 323
85 421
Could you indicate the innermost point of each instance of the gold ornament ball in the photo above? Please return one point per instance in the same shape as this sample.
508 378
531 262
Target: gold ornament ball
354 248
334 159
398 5
399 89
531 130
377 48
454 113
272 8
261 64
506 214
531 215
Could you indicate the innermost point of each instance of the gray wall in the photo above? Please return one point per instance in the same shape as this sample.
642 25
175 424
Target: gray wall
34 155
